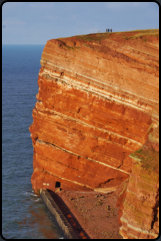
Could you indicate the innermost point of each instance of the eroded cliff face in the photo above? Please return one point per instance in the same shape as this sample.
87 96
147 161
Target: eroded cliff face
140 218
98 96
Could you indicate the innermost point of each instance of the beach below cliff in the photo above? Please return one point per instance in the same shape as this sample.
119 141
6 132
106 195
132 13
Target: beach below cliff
96 212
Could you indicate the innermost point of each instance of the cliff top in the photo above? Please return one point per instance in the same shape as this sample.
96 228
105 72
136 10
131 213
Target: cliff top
143 35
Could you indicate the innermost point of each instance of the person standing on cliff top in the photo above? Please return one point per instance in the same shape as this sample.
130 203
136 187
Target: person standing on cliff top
108 30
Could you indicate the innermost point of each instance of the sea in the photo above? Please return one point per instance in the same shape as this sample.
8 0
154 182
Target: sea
24 215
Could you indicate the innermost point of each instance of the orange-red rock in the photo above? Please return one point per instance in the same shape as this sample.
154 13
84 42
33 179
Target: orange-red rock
140 218
98 96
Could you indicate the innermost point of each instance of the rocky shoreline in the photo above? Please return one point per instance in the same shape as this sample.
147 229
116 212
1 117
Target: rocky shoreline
97 212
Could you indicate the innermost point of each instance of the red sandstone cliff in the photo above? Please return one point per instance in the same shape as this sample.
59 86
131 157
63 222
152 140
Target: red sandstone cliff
98 96
140 218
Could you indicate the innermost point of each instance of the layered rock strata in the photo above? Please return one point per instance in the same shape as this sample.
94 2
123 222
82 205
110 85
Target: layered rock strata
140 218
98 96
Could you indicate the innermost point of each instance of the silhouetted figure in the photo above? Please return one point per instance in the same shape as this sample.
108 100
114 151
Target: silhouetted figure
108 30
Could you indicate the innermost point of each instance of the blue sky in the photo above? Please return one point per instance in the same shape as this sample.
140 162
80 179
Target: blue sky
37 22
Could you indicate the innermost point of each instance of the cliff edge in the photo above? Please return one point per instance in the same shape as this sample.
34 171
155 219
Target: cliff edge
98 102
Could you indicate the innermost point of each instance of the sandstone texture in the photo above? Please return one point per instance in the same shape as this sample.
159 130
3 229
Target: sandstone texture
140 218
97 106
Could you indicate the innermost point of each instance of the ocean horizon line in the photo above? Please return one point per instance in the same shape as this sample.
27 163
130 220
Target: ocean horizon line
20 44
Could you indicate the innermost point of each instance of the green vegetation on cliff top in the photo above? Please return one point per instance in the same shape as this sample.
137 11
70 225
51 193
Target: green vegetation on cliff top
125 35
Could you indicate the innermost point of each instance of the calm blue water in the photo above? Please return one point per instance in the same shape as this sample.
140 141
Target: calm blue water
23 213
